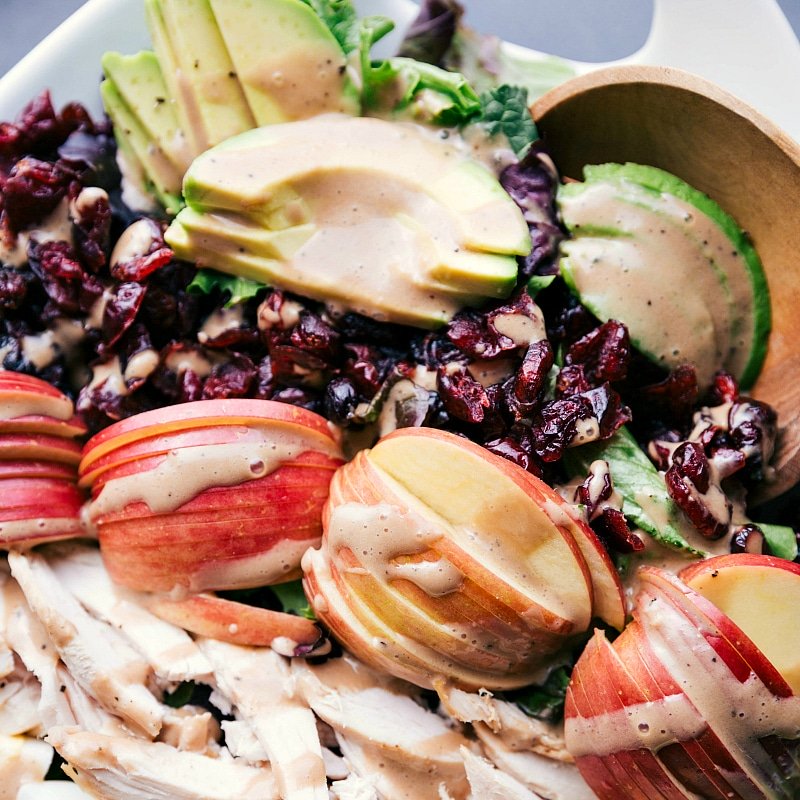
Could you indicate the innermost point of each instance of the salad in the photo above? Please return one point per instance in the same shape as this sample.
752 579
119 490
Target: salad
349 450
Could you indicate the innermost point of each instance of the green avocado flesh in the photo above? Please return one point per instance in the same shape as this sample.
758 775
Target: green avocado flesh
384 219
219 68
648 249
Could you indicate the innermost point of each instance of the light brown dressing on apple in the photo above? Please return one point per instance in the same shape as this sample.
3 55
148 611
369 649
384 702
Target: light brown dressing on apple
739 713
379 534
185 473
30 404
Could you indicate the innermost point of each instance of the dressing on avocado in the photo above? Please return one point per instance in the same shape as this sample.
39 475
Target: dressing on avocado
383 218
651 251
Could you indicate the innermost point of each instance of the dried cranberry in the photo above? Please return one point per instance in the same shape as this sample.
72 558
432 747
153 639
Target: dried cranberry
673 399
13 288
571 380
341 398
316 337
471 333
265 382
140 267
60 274
554 427
231 379
688 483
33 190
588 495
92 229
530 378
749 539
604 353
567 320
724 389
607 406
753 430
190 387
463 397
509 448
365 368
120 310
39 130
612 528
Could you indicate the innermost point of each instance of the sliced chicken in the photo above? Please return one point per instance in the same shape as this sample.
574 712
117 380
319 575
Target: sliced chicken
468 706
53 790
22 760
126 768
95 654
553 780
522 732
242 742
170 651
355 788
395 779
335 766
257 682
489 783
20 694
382 714
190 728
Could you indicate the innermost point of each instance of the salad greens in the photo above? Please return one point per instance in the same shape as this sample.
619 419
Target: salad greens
238 289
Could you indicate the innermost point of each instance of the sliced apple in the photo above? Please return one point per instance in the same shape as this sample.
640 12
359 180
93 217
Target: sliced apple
761 595
447 555
200 414
23 395
684 703
237 623
38 447
38 423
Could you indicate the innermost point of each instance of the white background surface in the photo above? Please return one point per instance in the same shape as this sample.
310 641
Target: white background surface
591 30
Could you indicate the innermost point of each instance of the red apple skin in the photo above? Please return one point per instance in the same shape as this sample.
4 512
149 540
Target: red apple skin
230 621
223 526
38 447
37 469
19 382
143 454
609 677
69 429
199 414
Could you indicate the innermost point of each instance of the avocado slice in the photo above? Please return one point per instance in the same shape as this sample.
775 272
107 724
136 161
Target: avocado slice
753 302
355 194
160 174
420 307
289 64
198 71
140 84
661 261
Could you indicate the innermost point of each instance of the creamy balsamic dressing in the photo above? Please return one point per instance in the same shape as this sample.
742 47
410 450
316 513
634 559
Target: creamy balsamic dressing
12 406
202 468
221 321
374 237
32 530
522 329
56 228
741 713
669 271
379 535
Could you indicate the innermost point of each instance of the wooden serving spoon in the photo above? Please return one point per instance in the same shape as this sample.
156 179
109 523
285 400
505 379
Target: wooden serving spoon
681 123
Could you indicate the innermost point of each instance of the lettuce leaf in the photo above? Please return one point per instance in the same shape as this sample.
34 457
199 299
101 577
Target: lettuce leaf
293 599
238 289
349 30
504 110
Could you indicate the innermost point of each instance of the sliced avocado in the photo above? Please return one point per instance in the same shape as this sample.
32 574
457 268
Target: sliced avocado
382 242
162 175
198 71
140 85
421 309
288 63
664 267
752 302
